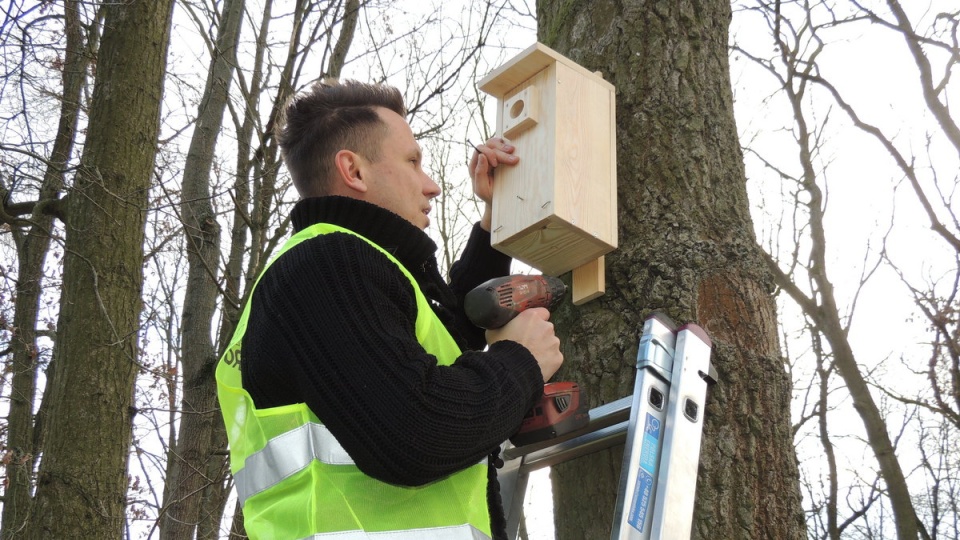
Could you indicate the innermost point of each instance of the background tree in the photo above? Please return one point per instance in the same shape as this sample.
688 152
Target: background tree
820 306
82 484
32 237
321 34
687 247
914 476
687 243
187 466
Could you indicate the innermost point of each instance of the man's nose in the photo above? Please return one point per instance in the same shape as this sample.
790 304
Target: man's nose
430 188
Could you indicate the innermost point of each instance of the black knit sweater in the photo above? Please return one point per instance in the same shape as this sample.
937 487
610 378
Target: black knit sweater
332 325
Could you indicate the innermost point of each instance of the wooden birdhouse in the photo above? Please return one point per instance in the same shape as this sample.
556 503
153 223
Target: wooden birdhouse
557 209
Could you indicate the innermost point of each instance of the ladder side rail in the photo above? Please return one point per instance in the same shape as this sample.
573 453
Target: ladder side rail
641 453
673 513
513 489
673 367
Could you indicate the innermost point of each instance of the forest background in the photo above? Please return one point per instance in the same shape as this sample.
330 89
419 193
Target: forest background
123 270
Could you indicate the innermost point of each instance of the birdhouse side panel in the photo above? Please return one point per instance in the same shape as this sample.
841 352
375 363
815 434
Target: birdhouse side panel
586 190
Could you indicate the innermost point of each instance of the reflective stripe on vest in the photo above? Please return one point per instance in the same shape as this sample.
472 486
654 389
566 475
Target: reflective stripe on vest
287 454
460 532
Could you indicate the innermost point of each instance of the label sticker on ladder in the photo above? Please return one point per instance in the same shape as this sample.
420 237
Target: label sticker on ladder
645 476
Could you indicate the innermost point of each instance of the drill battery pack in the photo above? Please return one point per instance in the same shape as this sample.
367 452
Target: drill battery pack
563 409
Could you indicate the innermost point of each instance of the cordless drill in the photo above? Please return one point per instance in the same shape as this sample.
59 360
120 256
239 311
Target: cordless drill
562 408
496 302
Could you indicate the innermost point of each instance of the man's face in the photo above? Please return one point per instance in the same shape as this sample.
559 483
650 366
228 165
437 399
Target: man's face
397 181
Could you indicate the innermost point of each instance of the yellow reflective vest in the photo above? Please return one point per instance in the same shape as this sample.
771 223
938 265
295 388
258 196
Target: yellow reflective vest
295 480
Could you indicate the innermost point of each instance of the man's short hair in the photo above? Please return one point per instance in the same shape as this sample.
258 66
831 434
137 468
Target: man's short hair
332 116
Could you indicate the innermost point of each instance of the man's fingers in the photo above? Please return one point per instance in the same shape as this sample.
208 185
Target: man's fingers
542 313
483 166
497 150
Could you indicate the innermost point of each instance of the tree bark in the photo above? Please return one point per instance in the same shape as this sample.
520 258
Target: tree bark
687 247
199 411
82 481
32 247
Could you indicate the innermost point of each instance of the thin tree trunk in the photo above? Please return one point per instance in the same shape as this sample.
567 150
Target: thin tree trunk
265 163
822 308
687 247
216 494
907 524
351 14
264 169
199 411
823 408
32 248
82 481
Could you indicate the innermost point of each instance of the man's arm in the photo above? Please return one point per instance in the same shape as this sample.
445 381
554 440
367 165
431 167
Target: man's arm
342 340
478 263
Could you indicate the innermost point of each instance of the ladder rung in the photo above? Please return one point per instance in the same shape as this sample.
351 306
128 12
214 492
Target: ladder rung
576 447
600 417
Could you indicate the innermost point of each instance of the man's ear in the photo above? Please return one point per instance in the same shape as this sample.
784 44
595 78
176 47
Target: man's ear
350 171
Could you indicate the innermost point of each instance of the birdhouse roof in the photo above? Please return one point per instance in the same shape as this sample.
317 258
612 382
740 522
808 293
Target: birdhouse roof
525 65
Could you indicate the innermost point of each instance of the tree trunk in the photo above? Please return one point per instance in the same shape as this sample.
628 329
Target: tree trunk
266 165
188 472
256 208
348 26
32 248
687 247
82 481
216 494
821 307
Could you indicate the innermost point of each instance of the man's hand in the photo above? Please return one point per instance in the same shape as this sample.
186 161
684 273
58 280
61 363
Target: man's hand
532 329
495 152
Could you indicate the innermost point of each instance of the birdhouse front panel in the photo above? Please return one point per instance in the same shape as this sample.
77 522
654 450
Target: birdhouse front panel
523 201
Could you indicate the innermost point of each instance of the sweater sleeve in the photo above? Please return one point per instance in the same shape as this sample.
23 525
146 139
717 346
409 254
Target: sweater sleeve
332 325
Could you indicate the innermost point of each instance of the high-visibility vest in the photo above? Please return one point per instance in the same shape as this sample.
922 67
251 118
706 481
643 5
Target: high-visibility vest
295 480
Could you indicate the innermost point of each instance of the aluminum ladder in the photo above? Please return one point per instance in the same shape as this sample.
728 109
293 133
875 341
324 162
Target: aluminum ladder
661 424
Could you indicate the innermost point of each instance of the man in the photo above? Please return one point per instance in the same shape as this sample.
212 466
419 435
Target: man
364 402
